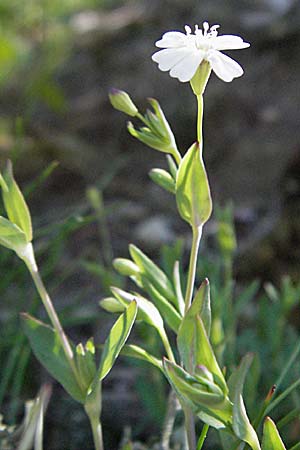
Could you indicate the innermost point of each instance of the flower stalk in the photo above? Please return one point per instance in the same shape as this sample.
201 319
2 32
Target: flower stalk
200 119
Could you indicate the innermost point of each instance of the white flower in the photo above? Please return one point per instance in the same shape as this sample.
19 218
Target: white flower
183 53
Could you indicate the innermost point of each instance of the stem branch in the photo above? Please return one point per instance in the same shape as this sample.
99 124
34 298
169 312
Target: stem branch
190 428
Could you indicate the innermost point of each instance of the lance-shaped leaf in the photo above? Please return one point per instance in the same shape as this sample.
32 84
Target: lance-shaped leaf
116 339
241 423
192 188
193 343
134 351
147 312
15 205
46 346
167 310
271 437
154 274
204 398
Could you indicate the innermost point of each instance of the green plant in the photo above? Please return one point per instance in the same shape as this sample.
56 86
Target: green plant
202 370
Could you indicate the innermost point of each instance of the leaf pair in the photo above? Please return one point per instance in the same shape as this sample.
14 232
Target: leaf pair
47 348
201 385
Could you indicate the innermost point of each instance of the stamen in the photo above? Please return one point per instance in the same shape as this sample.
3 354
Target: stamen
214 28
198 31
205 27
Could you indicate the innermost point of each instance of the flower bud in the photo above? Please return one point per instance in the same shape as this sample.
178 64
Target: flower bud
163 179
126 267
121 101
112 305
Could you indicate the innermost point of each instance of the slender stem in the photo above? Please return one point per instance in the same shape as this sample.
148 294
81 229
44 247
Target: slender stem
202 436
199 117
172 408
97 432
54 319
166 343
176 155
190 428
197 232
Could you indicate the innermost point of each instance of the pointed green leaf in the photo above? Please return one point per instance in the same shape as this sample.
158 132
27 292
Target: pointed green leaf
147 312
192 188
167 310
116 339
15 205
134 351
271 438
193 343
47 348
241 423
154 274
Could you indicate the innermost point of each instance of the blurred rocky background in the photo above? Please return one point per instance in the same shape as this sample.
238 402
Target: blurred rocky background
59 58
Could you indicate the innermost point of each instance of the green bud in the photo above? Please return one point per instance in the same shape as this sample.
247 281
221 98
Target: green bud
121 101
200 79
147 137
112 305
157 133
163 179
126 267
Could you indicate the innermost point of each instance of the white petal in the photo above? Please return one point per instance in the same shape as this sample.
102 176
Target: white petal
224 67
229 42
172 39
186 68
169 57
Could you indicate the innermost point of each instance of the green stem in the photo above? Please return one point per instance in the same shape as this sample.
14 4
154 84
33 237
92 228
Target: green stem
97 432
197 232
202 436
166 343
54 319
190 428
172 408
199 118
176 155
